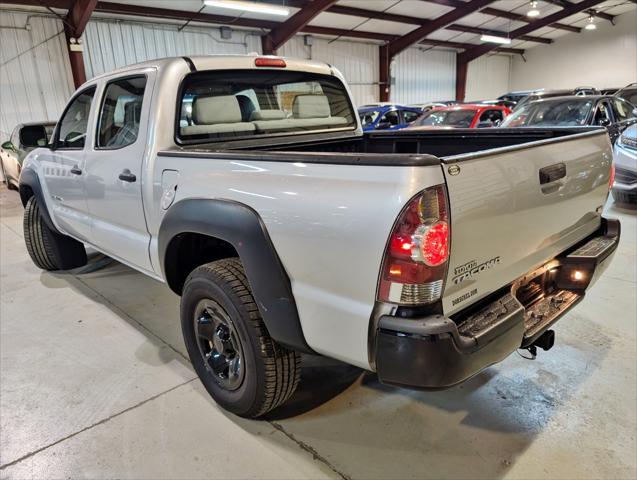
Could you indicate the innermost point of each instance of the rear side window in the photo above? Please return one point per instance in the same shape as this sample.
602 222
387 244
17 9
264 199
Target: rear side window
227 105
121 111
74 122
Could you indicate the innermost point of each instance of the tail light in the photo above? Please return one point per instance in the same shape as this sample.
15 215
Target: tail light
415 261
612 176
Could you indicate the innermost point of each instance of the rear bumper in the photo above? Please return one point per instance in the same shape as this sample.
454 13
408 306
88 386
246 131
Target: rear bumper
438 352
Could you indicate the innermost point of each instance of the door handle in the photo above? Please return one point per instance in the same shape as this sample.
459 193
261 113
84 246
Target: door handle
552 173
76 170
127 176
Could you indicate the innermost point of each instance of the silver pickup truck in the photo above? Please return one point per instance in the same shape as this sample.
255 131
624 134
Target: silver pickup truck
245 184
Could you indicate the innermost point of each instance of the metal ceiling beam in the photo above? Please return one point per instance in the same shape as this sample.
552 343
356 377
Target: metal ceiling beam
479 50
392 17
271 41
444 20
495 12
79 14
463 59
498 33
593 12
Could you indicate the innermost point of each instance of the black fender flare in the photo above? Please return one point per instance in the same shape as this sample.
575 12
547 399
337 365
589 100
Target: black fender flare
242 227
29 178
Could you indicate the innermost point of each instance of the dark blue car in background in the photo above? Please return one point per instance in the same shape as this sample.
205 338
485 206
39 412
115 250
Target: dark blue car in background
387 117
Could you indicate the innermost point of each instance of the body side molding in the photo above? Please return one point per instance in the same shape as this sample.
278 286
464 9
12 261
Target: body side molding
242 227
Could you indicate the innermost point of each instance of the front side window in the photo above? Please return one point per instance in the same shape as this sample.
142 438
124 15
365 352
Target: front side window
623 110
490 118
226 105
74 123
390 119
121 112
602 115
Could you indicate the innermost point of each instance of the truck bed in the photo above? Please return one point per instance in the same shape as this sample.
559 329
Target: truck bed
400 148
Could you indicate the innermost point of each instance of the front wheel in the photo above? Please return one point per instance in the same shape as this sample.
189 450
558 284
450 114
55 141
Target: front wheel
242 367
49 249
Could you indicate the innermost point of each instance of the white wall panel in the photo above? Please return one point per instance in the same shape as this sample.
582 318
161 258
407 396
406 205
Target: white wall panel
488 77
110 44
420 76
606 57
35 78
357 61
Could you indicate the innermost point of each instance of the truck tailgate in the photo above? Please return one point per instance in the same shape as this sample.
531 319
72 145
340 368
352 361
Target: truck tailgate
512 209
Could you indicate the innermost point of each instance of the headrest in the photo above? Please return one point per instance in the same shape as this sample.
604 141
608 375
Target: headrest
212 110
133 112
311 106
267 115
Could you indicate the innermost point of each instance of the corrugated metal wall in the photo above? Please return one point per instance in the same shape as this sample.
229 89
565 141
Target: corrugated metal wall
488 77
420 75
110 44
35 75
357 61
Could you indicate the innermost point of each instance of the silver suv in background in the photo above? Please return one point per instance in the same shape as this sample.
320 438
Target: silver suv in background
625 156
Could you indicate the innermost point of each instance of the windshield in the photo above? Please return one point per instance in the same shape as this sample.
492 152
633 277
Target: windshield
228 105
446 118
558 113
368 117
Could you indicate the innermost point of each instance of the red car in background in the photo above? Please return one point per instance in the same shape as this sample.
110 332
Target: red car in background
464 115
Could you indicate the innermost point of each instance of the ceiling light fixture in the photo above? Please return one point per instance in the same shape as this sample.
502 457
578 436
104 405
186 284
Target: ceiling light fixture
248 7
591 24
534 12
494 39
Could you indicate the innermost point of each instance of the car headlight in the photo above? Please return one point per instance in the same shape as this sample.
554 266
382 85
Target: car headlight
628 141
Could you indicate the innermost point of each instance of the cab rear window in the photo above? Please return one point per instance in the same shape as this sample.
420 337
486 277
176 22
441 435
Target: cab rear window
227 105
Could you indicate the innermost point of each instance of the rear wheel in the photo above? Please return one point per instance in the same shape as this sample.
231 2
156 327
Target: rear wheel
49 249
241 366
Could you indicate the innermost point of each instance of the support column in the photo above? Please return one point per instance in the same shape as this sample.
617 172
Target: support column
76 58
384 61
461 78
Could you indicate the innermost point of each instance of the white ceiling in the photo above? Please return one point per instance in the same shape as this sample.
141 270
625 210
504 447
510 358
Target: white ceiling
417 8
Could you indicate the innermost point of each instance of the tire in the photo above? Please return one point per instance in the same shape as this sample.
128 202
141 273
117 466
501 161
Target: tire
268 373
49 249
623 197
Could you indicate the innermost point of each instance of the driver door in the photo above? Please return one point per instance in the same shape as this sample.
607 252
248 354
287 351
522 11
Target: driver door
63 166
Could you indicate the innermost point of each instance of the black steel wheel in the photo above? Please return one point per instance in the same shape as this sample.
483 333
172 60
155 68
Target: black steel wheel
219 344
242 367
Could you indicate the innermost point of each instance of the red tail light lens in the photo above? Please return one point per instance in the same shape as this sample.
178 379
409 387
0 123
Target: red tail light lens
612 176
269 62
415 262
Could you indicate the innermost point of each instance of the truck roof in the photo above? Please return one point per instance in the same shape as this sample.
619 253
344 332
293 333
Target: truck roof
225 62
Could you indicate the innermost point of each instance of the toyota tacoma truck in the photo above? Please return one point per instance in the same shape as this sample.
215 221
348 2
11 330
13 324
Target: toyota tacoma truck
246 184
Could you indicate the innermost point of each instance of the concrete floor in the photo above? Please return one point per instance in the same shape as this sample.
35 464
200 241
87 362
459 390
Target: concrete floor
95 384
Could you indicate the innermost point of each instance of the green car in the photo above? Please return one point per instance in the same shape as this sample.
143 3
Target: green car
25 137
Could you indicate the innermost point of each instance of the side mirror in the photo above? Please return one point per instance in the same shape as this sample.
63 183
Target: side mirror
8 146
604 122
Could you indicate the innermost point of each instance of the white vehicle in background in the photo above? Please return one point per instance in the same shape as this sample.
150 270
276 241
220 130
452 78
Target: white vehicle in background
625 157
247 185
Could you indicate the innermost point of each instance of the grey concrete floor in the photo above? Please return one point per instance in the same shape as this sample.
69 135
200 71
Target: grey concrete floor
94 383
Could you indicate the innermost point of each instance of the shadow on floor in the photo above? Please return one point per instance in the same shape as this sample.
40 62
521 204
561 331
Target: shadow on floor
484 423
